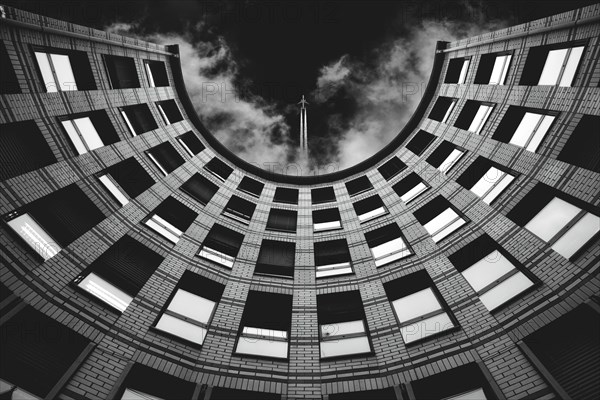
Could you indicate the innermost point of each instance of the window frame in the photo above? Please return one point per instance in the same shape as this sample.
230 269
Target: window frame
49 52
20 213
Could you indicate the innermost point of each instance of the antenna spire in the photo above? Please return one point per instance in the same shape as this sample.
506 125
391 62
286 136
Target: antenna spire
303 127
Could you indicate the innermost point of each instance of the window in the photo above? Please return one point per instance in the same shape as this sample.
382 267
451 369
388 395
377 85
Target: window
23 149
369 208
156 73
34 235
218 168
420 142
200 188
358 186
112 187
457 70
276 258
90 131
493 68
326 220
63 70
410 187
122 73
419 307
190 308
145 383
343 327
239 209
286 195
169 111
442 109
130 176
391 168
492 272
9 83
557 219
524 127
35 345
171 219
474 116
221 245
439 218
445 156
552 64
251 186
486 179
190 142
322 195
165 157
282 220
332 258
119 273
265 326
138 119
582 147
387 244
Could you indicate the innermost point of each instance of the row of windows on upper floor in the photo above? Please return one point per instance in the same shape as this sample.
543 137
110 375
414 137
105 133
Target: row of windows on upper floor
66 70
555 65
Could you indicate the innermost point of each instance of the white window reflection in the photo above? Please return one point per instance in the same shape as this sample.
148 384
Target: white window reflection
500 69
344 338
390 251
83 134
451 160
56 70
492 184
112 187
414 192
444 224
34 235
531 130
333 269
560 66
480 118
164 228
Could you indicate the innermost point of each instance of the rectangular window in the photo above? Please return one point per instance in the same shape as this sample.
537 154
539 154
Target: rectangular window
221 245
286 195
112 187
556 219
524 127
322 195
156 73
265 334
369 208
219 169
326 220
34 235
169 111
171 219
138 119
552 64
473 116
165 157
90 131
419 307
239 209
332 257
251 186
420 142
494 275
190 142
145 383
190 308
445 156
442 109
276 258
457 70
486 179
439 218
493 69
343 327
410 187
119 273
130 176
200 188
391 168
359 185
122 73
63 70
582 146
387 244
282 220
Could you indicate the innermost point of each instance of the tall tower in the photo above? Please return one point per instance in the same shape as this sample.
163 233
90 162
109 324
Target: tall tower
303 127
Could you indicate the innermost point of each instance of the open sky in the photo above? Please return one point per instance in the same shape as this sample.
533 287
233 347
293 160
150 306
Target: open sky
361 64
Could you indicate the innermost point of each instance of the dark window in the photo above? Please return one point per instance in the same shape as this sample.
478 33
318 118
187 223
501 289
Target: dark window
23 148
200 188
276 258
322 195
358 185
493 68
55 72
564 69
176 213
467 380
239 209
326 215
138 118
445 156
473 116
440 218
391 168
410 187
165 157
486 179
420 142
34 345
142 381
218 168
369 208
457 70
121 72
387 244
224 240
286 195
524 127
582 147
156 73
131 177
331 252
191 143
251 186
219 393
169 111
8 79
379 394
282 220
442 109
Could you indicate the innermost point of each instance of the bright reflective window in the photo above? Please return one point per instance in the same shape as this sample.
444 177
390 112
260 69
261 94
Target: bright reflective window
449 111
158 164
34 235
500 69
560 66
451 160
492 184
372 214
444 224
463 71
476 394
344 338
480 118
414 192
113 189
164 228
216 256
130 394
263 342
327 226
333 269
105 291
56 70
390 251
83 134
532 130
128 122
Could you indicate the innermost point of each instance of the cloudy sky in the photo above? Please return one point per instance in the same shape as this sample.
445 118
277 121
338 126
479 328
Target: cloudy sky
361 64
